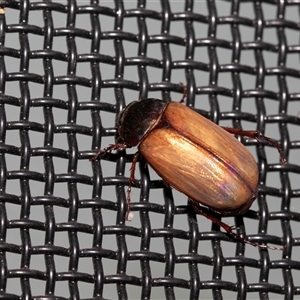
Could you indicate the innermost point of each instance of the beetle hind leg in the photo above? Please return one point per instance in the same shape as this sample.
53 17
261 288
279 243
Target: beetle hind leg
202 211
229 229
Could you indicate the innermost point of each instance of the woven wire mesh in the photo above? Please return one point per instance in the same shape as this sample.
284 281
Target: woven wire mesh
67 68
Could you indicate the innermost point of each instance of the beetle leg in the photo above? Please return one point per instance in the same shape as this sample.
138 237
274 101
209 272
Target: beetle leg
227 228
210 217
184 92
257 135
109 149
131 181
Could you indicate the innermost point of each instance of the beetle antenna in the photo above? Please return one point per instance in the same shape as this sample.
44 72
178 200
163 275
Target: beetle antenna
229 229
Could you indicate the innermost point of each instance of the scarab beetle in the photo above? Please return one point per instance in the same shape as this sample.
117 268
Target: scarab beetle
192 154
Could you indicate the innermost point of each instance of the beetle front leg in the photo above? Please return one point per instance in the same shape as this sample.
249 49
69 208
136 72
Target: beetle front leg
109 149
257 135
131 181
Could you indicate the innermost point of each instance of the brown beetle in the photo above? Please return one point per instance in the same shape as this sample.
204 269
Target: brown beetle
192 154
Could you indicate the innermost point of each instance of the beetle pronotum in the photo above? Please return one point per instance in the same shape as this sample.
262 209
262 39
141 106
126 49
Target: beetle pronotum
192 154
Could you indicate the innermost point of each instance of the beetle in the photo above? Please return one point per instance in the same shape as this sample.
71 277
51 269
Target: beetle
197 157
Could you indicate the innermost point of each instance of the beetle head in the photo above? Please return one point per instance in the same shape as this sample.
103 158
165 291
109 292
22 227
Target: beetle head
138 117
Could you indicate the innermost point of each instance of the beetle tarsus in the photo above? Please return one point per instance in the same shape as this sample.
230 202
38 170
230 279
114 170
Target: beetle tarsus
254 244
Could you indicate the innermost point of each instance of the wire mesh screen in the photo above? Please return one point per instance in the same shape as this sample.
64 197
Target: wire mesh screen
67 69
